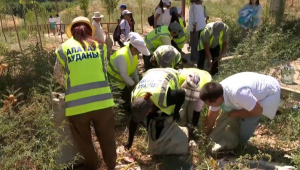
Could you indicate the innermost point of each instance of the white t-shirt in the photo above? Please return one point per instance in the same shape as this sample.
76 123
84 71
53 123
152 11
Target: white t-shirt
57 20
98 31
160 18
243 90
51 20
124 25
166 17
196 15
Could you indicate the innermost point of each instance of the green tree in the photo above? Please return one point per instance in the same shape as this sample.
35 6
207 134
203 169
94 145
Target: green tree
110 6
84 5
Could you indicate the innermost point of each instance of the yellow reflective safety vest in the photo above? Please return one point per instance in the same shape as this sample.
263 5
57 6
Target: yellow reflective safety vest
157 81
205 77
87 87
161 50
181 22
153 40
207 29
114 74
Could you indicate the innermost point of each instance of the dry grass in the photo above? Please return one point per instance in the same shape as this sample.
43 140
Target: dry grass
8 22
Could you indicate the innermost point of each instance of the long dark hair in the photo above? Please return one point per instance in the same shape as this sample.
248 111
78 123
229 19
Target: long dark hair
257 2
174 17
161 5
83 34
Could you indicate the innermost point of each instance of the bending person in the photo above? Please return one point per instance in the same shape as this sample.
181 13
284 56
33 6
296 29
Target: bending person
246 96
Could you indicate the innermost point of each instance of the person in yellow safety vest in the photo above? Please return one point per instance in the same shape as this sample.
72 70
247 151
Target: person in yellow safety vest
213 43
123 64
181 18
179 41
157 94
191 80
88 95
165 56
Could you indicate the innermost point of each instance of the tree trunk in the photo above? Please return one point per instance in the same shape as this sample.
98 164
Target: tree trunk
37 25
2 28
142 17
17 32
56 5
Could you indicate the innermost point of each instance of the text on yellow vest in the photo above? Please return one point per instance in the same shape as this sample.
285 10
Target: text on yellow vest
153 40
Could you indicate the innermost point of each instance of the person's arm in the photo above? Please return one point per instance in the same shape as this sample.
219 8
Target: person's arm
175 45
206 39
120 63
101 34
195 16
211 119
251 106
258 12
132 129
166 40
122 26
175 97
135 76
156 16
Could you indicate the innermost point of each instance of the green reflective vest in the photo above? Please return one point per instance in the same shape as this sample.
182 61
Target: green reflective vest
87 87
161 50
157 81
180 40
153 40
114 73
205 77
206 29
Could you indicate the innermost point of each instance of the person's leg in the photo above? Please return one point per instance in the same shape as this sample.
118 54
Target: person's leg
244 33
126 97
104 123
215 53
247 128
81 131
194 40
201 60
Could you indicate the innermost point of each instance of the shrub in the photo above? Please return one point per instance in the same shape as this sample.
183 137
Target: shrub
3 48
23 34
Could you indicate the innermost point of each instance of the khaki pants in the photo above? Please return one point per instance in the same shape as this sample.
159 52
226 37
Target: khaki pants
103 121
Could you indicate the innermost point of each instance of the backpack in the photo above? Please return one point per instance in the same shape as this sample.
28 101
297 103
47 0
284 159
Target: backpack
151 20
117 32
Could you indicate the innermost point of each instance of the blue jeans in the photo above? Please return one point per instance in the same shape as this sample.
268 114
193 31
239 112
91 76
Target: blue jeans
247 128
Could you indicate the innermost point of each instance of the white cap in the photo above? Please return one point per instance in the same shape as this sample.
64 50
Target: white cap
179 10
167 2
97 15
125 12
138 42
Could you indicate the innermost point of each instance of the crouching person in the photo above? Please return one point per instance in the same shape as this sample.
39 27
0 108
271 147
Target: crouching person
165 56
158 98
244 96
191 81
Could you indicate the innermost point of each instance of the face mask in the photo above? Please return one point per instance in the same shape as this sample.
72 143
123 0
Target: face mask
225 108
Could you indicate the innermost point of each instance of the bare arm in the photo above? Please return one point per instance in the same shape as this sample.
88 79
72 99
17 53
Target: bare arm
210 120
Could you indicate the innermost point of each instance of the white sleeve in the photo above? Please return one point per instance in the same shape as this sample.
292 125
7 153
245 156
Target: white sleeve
158 11
135 76
119 64
259 11
214 109
122 24
245 99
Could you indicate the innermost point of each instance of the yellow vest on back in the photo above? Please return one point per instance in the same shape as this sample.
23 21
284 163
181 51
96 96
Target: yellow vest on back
157 81
114 72
153 40
180 40
87 86
205 77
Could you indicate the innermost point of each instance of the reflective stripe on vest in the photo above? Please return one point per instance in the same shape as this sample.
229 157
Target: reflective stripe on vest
153 41
205 77
114 73
201 45
159 93
84 97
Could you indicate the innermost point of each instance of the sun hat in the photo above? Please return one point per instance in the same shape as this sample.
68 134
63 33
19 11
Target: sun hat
126 12
123 6
191 87
167 2
97 15
217 27
138 42
140 107
166 55
176 27
79 19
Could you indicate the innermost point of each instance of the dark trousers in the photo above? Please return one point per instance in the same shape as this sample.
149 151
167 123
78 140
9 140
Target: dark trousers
126 97
103 121
215 53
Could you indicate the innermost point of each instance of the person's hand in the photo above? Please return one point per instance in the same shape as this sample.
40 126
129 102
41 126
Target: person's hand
128 146
194 28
